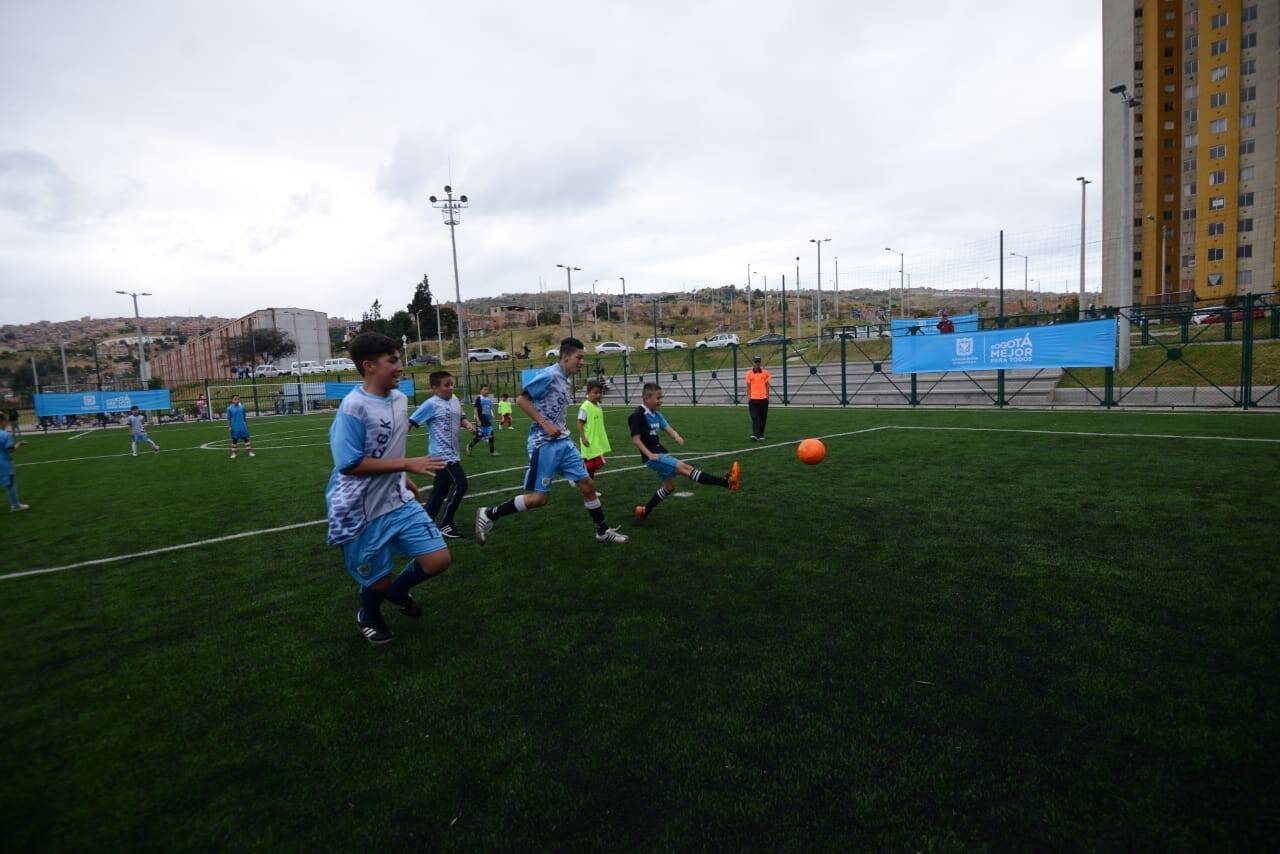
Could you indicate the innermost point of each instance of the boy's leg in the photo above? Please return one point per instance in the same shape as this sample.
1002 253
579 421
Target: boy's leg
665 488
764 416
455 495
537 480
491 450
699 476
12 488
420 537
248 446
234 445
134 445
439 489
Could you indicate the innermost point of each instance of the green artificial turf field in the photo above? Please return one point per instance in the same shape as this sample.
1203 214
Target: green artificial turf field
963 629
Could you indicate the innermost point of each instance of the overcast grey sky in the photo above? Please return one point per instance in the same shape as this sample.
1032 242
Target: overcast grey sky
227 156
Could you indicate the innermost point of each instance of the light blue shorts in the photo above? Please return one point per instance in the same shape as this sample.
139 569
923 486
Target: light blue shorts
664 466
239 435
407 530
552 458
139 437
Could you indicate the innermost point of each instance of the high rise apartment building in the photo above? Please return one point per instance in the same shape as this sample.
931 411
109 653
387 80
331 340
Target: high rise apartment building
1202 146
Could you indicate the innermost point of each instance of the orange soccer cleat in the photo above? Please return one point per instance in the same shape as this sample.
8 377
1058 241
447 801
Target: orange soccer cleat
735 477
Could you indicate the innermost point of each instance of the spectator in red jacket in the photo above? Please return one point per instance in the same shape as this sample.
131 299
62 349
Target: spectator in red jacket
945 326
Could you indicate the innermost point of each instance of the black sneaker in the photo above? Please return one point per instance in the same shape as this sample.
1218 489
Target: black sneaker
413 609
449 532
374 631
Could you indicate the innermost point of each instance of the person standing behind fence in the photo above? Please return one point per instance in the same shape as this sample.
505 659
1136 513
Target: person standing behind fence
945 324
758 398
201 406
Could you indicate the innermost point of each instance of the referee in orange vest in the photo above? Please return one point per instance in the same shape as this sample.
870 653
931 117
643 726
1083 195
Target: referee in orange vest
758 398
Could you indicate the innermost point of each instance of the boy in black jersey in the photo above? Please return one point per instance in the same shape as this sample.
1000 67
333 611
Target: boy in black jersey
645 423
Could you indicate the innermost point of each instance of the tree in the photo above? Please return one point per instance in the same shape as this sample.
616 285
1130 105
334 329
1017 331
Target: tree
421 301
547 317
266 345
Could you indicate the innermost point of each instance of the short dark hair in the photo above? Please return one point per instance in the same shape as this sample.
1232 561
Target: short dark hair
135 406
438 377
368 346
595 384
649 388
570 345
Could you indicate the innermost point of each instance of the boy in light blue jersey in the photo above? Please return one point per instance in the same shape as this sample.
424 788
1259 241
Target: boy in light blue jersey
551 449
484 421
373 506
7 477
138 430
239 426
442 414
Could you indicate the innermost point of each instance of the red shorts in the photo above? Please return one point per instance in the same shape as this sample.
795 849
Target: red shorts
594 465
506 420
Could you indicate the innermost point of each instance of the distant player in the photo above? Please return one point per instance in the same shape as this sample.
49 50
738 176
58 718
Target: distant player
442 414
504 411
484 420
593 441
7 477
138 430
239 426
645 423
373 506
551 451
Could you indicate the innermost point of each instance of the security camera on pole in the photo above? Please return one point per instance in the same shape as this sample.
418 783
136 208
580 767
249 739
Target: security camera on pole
449 209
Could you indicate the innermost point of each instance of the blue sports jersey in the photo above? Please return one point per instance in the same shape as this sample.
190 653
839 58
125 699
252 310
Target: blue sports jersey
484 403
647 424
366 426
137 425
442 419
549 391
235 415
6 461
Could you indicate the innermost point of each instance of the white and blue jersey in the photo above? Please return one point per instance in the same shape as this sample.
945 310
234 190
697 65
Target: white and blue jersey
239 426
549 392
366 426
6 461
484 406
137 427
442 419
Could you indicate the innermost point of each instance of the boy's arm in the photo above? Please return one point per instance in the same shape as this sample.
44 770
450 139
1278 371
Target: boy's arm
581 424
526 406
671 431
467 425
644 452
415 465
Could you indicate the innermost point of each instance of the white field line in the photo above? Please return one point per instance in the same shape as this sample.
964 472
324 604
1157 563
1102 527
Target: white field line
78 435
243 534
1096 435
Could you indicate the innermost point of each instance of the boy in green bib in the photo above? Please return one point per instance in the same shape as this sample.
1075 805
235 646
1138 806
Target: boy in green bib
504 413
593 442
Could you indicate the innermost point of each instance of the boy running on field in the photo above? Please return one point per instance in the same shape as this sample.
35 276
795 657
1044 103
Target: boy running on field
373 506
645 423
239 426
138 430
7 477
504 411
484 420
593 442
442 414
551 451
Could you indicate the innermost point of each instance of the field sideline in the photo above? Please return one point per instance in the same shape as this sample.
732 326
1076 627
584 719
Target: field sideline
963 629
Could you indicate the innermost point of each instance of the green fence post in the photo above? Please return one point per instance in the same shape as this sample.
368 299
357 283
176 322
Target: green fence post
1109 388
1227 324
1000 401
1275 321
1146 330
915 400
735 374
257 410
626 376
655 361
1246 354
1186 328
786 400
844 377
693 373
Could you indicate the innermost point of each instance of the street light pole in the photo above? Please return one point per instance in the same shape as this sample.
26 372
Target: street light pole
837 311
750 324
798 299
595 313
1084 182
143 373
1026 261
1130 103
568 275
818 241
765 278
439 334
626 330
902 266
66 383
417 319
451 209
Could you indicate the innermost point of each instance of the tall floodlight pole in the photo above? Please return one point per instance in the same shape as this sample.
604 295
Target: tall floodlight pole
902 277
1130 104
143 373
568 277
1026 263
595 312
626 329
439 333
66 383
750 324
451 209
765 278
1084 182
837 310
818 241
798 299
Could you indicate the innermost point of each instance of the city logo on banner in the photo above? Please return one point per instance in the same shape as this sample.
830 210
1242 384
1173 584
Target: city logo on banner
90 399
1013 350
964 346
122 402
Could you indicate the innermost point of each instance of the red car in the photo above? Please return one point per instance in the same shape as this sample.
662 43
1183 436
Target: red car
1236 315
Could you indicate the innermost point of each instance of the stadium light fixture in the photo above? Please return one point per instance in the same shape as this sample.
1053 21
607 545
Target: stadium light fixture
144 372
451 209
569 270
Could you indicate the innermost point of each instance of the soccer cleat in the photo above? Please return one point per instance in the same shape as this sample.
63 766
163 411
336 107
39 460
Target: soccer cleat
734 477
413 609
612 535
18 508
233 456
449 532
374 631
252 454
156 449
640 513
483 525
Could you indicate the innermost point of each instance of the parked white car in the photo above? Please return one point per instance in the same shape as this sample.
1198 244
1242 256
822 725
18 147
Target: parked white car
724 339
305 367
486 354
335 365
612 348
554 352
664 344
266 371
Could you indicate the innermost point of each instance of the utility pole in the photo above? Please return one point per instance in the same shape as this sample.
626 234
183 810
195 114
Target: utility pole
626 330
818 314
1084 182
798 299
568 275
66 383
451 211
143 373
902 278
750 321
837 311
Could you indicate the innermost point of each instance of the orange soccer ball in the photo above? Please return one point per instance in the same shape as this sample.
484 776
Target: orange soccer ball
811 452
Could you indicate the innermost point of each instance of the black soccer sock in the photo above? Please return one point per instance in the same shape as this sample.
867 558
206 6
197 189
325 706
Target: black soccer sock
372 601
506 508
597 515
700 476
411 576
655 500
491 444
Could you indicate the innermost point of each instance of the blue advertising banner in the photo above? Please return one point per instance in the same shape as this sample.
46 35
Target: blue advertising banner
93 402
1065 345
929 325
337 391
